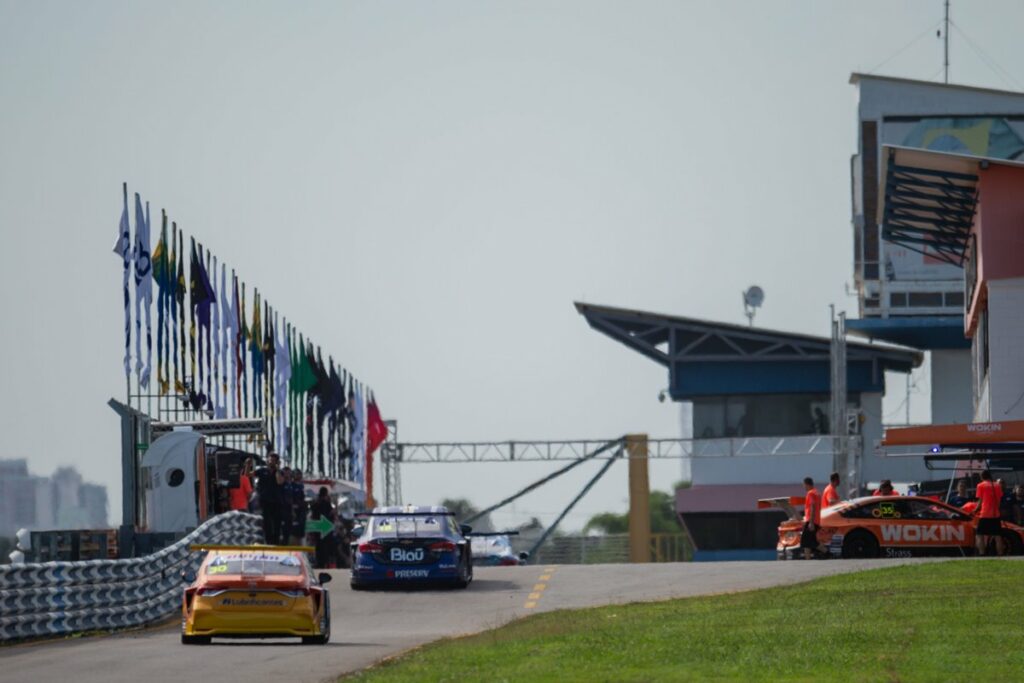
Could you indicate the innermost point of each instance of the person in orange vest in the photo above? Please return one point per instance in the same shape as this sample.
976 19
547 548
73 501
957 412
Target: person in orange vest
885 489
238 496
989 494
812 519
830 496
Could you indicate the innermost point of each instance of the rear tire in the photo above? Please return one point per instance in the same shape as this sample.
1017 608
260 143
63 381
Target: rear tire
356 586
465 575
194 640
325 626
860 545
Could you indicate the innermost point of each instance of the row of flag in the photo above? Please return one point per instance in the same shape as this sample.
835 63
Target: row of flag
224 359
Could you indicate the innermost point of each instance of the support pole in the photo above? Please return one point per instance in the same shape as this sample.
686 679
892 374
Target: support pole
639 499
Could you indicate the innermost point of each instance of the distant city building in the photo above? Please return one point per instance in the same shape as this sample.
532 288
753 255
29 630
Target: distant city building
63 501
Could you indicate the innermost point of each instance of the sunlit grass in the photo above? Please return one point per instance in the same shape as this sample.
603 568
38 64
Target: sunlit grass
948 621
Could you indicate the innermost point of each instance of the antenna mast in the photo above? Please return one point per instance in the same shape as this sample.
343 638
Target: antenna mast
945 62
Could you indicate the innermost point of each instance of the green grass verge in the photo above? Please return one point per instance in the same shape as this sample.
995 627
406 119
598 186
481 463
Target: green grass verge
948 621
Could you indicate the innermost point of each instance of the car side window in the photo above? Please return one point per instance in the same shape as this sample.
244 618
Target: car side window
882 509
920 509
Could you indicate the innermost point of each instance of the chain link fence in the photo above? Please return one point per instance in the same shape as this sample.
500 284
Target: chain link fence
610 549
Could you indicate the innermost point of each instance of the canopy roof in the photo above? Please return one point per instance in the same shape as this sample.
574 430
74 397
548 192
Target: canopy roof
706 358
929 199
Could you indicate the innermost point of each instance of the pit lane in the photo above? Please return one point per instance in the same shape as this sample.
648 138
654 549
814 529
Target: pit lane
369 626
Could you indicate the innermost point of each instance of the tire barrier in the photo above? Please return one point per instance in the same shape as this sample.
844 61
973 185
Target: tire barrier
54 598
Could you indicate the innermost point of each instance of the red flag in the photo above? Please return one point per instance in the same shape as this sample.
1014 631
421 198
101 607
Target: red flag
376 433
376 430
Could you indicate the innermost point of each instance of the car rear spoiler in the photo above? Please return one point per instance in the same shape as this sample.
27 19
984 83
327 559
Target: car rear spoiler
198 547
475 534
787 504
404 514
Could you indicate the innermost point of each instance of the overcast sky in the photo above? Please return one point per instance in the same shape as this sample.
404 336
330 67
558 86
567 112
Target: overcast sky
425 189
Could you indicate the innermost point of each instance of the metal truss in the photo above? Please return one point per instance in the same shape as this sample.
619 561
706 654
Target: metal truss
389 463
929 211
539 451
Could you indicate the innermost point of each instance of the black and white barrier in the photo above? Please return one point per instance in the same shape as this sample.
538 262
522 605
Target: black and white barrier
53 598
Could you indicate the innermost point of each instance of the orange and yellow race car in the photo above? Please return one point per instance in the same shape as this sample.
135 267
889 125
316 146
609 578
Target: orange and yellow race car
888 526
255 591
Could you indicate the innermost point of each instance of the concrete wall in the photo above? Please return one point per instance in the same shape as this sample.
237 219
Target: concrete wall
883 97
951 386
760 469
1006 349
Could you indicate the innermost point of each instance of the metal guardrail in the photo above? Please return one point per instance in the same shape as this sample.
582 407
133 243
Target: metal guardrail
54 598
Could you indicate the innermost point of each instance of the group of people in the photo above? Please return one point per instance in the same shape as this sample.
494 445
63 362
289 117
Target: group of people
279 496
992 507
813 502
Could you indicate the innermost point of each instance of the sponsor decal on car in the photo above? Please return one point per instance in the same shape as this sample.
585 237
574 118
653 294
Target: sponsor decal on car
251 602
409 573
924 533
402 555
896 552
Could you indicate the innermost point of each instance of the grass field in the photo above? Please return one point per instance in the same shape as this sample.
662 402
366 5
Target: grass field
947 621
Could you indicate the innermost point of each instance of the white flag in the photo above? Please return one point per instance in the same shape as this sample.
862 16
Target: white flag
283 370
143 291
123 248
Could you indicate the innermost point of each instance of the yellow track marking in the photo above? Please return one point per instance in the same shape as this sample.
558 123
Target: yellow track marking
538 589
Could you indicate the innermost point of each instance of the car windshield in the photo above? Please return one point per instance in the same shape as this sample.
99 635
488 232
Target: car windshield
254 565
427 525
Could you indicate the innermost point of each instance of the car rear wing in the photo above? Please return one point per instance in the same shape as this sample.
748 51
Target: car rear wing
404 514
199 547
787 504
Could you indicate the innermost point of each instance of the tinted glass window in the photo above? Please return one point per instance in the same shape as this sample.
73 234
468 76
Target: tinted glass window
883 509
920 509
427 525
257 565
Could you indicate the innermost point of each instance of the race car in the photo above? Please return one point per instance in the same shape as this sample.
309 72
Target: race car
255 592
403 546
495 549
888 526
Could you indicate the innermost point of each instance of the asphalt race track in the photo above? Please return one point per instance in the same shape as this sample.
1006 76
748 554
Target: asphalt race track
368 626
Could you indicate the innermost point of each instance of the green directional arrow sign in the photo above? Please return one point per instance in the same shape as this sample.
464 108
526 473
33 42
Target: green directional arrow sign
319 526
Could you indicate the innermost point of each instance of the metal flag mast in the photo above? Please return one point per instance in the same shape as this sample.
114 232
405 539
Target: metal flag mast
945 52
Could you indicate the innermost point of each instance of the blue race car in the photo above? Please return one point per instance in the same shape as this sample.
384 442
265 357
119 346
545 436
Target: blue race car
494 549
410 545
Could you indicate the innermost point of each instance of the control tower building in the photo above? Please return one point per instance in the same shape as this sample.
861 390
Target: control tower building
909 292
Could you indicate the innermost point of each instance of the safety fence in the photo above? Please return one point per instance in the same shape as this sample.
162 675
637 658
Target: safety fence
611 549
53 598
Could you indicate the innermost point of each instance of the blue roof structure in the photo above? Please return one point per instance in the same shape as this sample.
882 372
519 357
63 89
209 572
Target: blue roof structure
920 332
707 358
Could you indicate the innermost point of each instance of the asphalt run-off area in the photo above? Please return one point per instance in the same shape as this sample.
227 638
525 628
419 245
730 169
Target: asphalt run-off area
369 626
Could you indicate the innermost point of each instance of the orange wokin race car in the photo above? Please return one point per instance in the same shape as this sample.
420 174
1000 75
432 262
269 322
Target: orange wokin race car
255 591
888 526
